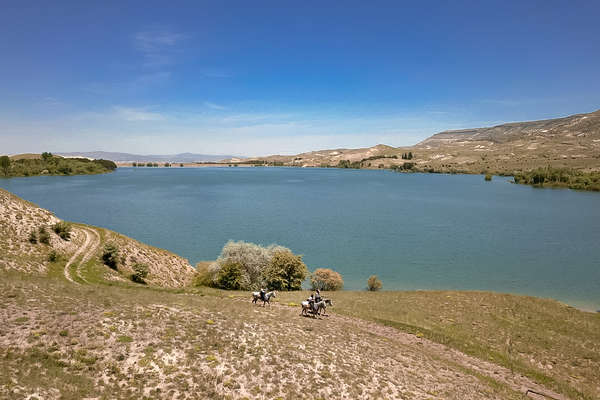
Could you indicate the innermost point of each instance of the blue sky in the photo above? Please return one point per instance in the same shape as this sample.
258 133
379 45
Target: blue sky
261 77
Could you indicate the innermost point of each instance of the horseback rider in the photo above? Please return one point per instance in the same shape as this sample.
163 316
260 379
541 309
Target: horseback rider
318 296
263 293
311 301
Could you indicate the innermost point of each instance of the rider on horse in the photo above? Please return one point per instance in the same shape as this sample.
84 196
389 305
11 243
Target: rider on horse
313 299
263 293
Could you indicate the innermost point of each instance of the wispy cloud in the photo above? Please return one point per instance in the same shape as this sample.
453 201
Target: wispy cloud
157 46
137 114
214 106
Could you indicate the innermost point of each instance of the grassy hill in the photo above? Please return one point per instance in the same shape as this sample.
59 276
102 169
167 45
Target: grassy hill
48 164
75 328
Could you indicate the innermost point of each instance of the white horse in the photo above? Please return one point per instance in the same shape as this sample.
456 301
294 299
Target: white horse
316 308
267 299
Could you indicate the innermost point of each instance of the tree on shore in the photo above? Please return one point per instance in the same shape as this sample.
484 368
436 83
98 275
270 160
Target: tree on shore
326 279
373 283
5 164
286 271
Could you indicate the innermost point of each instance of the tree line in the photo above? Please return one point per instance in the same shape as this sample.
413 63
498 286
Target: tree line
49 164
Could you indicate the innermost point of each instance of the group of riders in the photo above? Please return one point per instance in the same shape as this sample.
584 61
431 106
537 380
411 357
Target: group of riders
312 299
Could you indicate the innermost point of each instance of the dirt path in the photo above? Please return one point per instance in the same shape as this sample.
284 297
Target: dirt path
515 381
94 243
501 374
87 248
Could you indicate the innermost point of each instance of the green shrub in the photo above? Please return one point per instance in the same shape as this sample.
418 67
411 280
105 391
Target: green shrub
140 272
62 229
202 276
107 164
52 256
110 255
33 237
43 235
488 177
286 271
326 279
373 283
5 164
230 276
349 164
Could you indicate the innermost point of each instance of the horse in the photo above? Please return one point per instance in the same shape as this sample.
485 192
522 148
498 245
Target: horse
316 308
322 305
267 299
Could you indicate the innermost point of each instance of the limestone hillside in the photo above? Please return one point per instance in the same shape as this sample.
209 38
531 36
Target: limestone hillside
572 142
82 253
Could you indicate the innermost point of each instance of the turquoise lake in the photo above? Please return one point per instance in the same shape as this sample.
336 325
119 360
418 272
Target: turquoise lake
415 231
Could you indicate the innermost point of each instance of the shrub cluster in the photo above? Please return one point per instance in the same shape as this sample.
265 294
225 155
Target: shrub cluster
326 279
140 272
562 177
43 235
248 266
349 164
52 256
5 165
373 283
62 229
33 237
406 166
110 255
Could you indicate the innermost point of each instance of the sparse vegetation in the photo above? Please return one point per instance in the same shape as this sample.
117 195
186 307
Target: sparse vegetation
63 230
326 279
33 237
43 235
52 256
373 283
110 255
140 272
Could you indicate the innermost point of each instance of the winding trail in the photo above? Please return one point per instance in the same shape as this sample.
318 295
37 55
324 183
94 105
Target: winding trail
92 240
95 242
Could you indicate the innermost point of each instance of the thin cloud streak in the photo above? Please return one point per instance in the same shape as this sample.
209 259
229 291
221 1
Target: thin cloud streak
157 47
214 106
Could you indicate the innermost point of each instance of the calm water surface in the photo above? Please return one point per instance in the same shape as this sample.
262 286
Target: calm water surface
414 231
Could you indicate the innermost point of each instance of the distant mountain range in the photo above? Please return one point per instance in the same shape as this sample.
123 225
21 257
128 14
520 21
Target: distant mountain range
128 157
